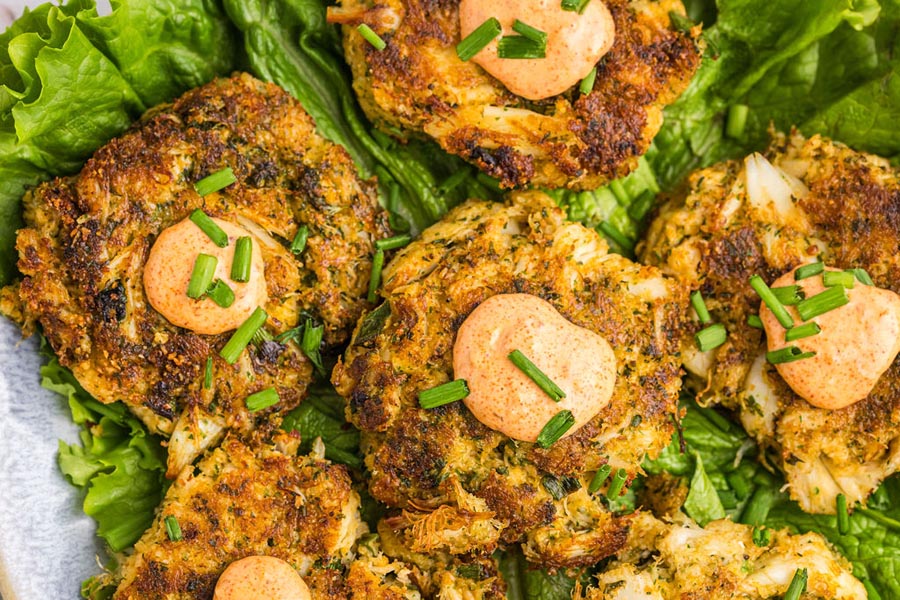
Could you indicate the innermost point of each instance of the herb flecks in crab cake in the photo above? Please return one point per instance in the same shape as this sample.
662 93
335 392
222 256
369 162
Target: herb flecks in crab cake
259 499
463 486
297 198
803 213
417 84
670 561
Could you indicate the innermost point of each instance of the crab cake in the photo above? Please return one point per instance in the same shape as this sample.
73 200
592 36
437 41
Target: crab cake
418 85
89 237
805 200
462 486
260 500
664 561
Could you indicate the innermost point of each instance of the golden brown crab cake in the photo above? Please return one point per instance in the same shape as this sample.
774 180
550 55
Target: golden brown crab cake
465 487
260 499
89 236
418 84
673 561
767 215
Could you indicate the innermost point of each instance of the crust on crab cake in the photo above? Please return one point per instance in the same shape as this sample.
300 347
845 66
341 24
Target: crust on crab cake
477 487
89 236
418 84
844 209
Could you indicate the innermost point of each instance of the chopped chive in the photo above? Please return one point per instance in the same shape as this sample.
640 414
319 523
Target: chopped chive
798 585
736 121
311 343
240 266
711 337
370 36
599 479
757 283
789 295
587 84
392 243
787 354
215 182
843 517
173 529
209 227
299 243
616 236
802 331
821 303
519 46
241 337
535 35
616 485
762 536
444 394
536 375
861 276
220 293
201 275
261 337
575 5
375 275
700 307
755 322
555 428
841 278
809 270
208 373
262 399
475 42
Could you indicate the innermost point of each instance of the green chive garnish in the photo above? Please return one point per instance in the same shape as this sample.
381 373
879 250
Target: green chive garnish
519 46
808 270
392 243
861 276
220 293
821 303
262 399
173 529
802 331
700 307
762 536
587 84
311 343
843 517
757 283
575 5
736 121
240 266
299 242
536 375
842 278
242 336
616 236
370 36
209 227
201 275
444 394
755 322
798 585
208 373
616 485
788 354
535 35
375 275
555 428
215 182
789 295
711 337
475 42
599 479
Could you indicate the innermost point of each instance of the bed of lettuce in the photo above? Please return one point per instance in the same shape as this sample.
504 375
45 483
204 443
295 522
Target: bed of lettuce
71 79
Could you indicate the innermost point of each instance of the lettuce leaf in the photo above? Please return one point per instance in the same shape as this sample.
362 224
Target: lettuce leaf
321 415
118 463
